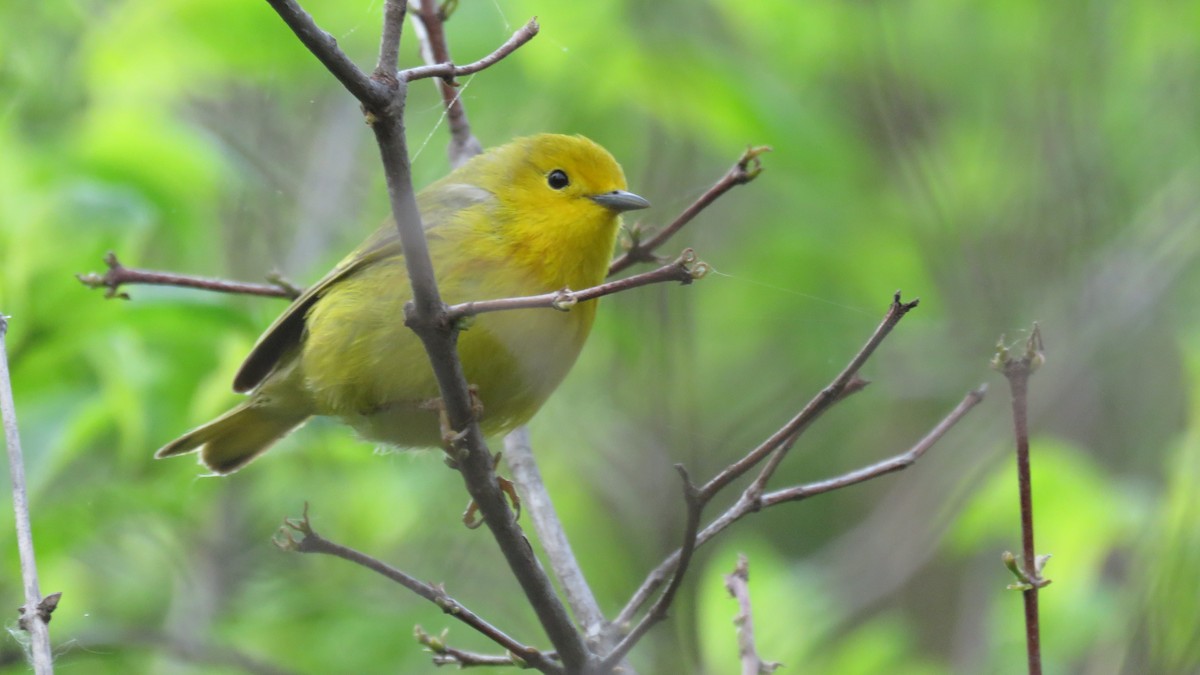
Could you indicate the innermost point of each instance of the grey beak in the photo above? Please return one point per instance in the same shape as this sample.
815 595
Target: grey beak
620 201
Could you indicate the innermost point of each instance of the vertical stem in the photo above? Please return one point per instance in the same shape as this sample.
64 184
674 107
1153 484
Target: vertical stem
475 465
33 621
518 453
389 41
1018 379
440 344
435 49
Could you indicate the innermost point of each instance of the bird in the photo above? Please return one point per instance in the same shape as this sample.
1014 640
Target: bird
536 215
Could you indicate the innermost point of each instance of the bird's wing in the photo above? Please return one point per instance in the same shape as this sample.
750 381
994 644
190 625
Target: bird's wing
436 205
288 329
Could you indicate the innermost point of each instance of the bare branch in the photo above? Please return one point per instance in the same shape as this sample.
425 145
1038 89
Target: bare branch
738 585
745 170
389 40
749 503
890 465
519 457
1017 370
435 49
448 71
383 97
426 316
324 47
684 269
658 611
445 655
119 275
35 614
431 34
308 541
846 380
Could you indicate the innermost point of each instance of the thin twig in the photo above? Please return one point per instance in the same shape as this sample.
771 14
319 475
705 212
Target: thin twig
35 614
445 655
1017 370
118 275
889 465
324 46
738 585
747 504
448 71
747 168
308 541
658 611
684 269
815 407
431 33
389 40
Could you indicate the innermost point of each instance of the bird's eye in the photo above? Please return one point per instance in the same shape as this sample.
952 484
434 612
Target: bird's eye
558 179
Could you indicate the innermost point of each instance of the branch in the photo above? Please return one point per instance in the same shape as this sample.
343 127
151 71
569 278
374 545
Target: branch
324 46
684 269
383 98
658 612
443 68
745 170
445 655
431 34
890 465
435 50
748 504
519 456
309 541
389 40
846 382
738 585
119 275
1017 370
35 614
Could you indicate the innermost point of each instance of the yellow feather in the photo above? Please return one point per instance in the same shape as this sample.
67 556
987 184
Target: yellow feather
534 216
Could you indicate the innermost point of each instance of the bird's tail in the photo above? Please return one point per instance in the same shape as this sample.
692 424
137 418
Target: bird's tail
231 441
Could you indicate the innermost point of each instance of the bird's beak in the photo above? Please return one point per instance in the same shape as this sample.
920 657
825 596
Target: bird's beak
620 201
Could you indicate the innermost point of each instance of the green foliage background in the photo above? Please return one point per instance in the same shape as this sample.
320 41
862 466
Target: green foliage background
1006 161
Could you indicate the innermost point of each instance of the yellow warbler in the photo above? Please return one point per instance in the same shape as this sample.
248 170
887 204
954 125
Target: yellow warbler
534 216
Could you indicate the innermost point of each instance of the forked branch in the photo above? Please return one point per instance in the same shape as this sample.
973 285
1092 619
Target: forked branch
447 71
750 502
297 535
846 381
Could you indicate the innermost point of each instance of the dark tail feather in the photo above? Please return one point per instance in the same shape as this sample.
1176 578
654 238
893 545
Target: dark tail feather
231 441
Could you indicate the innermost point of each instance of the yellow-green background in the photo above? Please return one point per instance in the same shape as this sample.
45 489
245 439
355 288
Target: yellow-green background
1005 160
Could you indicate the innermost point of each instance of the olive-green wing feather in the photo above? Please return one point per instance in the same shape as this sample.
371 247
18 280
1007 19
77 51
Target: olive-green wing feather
288 329
438 204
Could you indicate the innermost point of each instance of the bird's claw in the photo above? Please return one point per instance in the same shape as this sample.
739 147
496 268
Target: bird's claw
471 516
450 437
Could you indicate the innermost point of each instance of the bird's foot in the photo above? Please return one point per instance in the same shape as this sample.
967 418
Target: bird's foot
471 516
450 437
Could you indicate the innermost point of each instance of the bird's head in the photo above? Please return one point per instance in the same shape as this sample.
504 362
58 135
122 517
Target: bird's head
559 199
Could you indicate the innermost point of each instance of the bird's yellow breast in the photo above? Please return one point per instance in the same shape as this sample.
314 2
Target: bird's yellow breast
360 363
